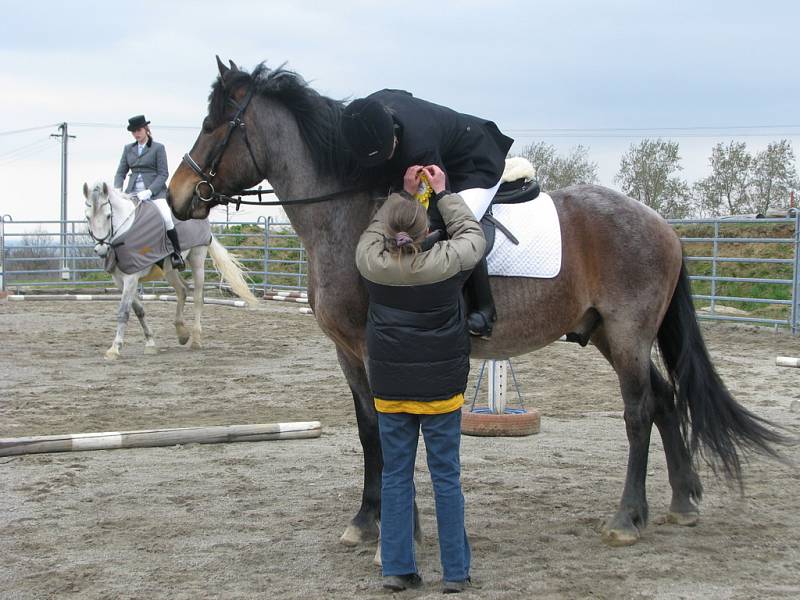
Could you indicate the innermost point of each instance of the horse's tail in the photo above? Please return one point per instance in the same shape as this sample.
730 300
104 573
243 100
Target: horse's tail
231 271
721 428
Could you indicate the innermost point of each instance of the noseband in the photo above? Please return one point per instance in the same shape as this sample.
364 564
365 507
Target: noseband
207 178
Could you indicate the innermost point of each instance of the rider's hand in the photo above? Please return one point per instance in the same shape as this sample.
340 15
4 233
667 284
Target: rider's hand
411 179
437 178
144 195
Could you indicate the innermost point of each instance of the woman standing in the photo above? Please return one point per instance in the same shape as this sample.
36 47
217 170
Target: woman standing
146 160
418 347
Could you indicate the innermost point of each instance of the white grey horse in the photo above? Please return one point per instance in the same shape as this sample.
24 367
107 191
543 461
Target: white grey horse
110 213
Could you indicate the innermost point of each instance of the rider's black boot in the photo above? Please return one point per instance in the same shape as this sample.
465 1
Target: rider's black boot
177 259
483 315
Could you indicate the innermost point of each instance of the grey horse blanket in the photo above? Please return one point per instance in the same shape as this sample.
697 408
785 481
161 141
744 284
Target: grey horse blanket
146 242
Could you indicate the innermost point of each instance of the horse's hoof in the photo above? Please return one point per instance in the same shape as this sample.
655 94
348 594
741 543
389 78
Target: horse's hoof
112 354
620 537
377 560
150 350
687 519
183 340
353 536
196 345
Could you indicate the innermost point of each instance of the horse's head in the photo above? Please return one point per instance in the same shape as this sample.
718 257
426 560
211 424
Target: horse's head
98 214
99 210
224 158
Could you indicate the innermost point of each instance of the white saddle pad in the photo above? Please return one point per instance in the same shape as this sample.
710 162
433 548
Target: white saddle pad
535 224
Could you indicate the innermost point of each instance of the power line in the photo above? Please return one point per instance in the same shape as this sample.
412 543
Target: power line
22 148
13 131
23 154
118 126
630 129
647 133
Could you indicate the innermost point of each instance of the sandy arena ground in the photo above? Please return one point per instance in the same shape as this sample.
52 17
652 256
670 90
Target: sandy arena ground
262 520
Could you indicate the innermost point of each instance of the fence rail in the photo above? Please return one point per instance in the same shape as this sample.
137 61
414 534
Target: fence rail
744 270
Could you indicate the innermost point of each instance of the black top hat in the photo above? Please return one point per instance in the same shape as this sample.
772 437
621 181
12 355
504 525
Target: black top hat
368 129
136 122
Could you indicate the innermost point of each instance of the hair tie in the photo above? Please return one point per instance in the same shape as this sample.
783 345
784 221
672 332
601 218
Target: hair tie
402 239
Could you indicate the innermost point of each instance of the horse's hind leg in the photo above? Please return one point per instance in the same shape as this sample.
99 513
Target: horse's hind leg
149 342
686 487
630 357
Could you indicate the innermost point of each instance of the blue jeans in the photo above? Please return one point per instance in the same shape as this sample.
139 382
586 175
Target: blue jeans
399 437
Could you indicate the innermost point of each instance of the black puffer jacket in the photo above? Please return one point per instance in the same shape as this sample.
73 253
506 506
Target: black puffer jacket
417 338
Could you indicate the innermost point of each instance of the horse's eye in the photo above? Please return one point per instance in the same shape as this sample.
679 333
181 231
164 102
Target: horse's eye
207 125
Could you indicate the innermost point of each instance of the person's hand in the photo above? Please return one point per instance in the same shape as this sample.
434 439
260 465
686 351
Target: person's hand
436 177
411 179
144 195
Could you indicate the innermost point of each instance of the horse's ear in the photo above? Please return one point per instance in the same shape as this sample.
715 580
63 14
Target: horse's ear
233 65
85 190
223 70
105 189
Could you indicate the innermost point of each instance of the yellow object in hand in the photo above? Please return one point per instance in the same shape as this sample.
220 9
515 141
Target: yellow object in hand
425 190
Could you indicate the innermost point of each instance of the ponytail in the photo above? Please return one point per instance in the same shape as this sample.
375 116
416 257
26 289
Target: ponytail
406 227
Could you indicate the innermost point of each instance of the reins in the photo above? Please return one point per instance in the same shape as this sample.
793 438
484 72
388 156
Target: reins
237 199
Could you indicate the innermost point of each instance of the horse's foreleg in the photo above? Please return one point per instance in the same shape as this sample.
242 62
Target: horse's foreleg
149 342
128 285
686 487
364 527
174 279
631 359
197 259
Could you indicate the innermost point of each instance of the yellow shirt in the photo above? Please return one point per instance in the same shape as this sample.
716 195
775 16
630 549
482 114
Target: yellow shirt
416 407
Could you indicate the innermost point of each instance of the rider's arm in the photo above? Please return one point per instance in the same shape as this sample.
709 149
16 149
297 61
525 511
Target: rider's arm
122 169
162 172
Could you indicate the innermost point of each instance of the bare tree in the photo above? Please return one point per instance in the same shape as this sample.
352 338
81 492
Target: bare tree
556 172
774 176
647 174
725 191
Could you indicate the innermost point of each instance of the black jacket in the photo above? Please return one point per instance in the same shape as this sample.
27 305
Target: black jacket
417 340
470 150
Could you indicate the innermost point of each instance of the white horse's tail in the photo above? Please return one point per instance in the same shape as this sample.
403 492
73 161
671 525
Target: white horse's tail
231 271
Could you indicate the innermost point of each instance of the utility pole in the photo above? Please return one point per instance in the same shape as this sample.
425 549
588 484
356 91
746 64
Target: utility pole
64 135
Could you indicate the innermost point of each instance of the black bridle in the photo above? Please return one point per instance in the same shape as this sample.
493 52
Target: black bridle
207 178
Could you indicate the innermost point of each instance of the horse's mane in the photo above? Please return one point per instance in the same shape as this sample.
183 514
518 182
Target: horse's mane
318 117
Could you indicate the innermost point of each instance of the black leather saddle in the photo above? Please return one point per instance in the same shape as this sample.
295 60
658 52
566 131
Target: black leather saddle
516 192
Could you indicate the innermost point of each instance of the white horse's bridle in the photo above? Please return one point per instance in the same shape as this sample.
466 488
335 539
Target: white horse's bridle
107 239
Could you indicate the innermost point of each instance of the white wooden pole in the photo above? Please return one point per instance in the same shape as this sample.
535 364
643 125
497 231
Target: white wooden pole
787 361
497 386
149 438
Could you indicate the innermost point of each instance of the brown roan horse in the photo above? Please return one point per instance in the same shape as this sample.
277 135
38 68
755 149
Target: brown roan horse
622 286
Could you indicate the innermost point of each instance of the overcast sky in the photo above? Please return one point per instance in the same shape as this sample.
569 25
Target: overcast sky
695 71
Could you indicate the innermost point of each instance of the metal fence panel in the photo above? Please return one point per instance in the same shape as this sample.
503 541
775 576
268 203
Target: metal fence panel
32 255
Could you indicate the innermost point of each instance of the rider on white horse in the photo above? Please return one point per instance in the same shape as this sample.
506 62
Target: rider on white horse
147 162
